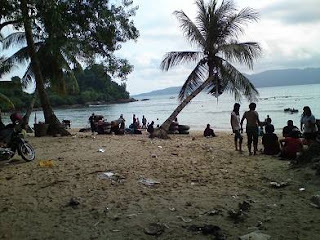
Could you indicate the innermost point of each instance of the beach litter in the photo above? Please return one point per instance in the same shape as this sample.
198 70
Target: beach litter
255 236
213 212
279 184
148 181
302 189
115 177
244 206
73 203
101 150
315 200
46 163
186 220
159 146
154 229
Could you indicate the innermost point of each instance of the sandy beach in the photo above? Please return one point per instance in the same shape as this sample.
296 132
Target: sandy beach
164 189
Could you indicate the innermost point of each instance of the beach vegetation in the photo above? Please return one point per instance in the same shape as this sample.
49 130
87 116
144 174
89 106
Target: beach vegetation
214 34
61 36
94 86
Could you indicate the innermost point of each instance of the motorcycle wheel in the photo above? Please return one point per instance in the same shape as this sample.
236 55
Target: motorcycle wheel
26 151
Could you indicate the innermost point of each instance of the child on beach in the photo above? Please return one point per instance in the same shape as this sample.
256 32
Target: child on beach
208 132
253 122
235 124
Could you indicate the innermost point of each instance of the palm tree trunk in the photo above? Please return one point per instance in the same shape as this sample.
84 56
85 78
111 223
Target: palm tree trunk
55 126
166 125
26 117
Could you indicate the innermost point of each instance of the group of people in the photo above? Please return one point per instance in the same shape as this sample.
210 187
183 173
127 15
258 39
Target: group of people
136 122
288 147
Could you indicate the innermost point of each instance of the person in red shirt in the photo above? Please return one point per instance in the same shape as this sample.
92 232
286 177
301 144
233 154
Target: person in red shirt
290 146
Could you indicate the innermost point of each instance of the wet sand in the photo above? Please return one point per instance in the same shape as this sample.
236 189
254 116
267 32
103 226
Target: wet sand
201 181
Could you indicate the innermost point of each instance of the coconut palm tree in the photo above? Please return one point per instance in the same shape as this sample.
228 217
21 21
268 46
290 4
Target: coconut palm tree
215 35
56 69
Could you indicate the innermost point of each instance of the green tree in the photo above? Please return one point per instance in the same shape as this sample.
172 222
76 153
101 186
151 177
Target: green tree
215 33
79 29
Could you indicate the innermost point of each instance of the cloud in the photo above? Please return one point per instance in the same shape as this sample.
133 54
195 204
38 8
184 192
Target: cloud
294 11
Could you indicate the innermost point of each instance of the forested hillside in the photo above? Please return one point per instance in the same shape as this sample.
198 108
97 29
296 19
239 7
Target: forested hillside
95 85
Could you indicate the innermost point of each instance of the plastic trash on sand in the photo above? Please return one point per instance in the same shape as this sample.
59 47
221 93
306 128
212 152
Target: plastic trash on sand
101 150
111 176
148 181
46 163
278 184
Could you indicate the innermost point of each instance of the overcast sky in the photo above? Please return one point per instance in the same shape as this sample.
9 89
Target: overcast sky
288 31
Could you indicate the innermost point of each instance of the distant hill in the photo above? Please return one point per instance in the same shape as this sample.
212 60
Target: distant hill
287 77
270 78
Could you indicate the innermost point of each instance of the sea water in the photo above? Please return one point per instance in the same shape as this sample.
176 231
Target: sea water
203 109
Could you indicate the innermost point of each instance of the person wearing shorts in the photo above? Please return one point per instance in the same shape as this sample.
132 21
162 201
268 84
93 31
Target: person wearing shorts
252 127
235 124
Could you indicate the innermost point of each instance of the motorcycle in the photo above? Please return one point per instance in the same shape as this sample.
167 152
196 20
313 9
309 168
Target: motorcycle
13 141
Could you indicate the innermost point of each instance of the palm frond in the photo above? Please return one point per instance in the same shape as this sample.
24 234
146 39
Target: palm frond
189 29
172 59
19 57
28 77
196 77
4 98
5 67
14 39
234 23
236 83
202 18
244 53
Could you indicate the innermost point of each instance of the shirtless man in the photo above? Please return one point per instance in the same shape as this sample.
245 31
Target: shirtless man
253 123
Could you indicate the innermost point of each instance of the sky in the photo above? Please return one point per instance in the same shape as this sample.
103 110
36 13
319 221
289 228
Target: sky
287 30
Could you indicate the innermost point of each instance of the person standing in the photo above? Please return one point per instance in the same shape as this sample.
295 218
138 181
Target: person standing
235 124
308 125
92 119
134 120
252 129
144 122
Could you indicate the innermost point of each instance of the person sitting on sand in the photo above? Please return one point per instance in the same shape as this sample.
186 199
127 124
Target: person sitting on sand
270 142
150 128
208 132
286 131
268 124
291 145
253 122
235 124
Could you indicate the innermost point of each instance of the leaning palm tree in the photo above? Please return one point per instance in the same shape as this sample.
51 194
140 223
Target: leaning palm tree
215 34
